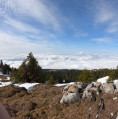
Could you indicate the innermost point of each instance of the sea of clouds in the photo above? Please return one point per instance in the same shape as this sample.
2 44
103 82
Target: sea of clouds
78 61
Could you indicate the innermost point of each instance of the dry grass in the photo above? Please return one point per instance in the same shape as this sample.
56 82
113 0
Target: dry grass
43 103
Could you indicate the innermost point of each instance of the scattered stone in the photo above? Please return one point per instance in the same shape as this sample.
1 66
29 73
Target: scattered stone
117 117
115 98
83 90
112 114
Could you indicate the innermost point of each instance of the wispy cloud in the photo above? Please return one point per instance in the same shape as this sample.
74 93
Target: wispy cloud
12 44
38 10
28 25
20 26
106 14
102 40
80 34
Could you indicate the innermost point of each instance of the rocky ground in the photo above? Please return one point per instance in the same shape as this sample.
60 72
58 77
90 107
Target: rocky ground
43 102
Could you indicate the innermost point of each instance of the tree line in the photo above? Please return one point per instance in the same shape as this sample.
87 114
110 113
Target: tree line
31 71
5 68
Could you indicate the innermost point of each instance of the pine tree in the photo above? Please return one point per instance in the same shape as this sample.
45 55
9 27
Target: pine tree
29 71
1 63
86 76
34 71
51 80
22 73
4 70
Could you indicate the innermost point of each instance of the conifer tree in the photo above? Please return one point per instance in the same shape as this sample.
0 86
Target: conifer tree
29 70
86 76
51 80
1 64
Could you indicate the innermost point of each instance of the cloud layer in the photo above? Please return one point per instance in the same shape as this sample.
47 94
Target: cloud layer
79 61
48 27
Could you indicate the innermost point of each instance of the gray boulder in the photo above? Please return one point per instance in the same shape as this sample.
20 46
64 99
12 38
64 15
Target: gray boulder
65 89
82 85
86 94
95 90
89 87
108 88
98 84
71 94
73 89
70 97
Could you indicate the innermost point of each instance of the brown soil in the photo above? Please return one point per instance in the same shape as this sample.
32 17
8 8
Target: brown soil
43 103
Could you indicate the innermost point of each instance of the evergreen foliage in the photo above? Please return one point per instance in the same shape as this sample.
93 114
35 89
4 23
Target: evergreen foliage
29 71
86 76
51 80
114 74
1 64
5 68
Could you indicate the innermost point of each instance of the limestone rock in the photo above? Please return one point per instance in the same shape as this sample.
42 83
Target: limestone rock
98 84
73 89
70 97
89 87
82 85
95 89
108 88
116 85
86 94
65 89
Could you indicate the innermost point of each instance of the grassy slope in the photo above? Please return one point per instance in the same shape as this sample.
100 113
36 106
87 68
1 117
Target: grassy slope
43 103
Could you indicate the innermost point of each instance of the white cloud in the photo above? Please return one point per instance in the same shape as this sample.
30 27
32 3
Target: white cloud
102 40
11 45
105 13
25 27
21 26
40 11
80 61
80 34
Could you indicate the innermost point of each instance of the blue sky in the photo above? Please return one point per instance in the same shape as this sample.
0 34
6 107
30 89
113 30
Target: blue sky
58 27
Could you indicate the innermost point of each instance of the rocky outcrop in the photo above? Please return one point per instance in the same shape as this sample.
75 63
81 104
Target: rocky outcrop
86 94
83 90
70 97
108 88
71 94
98 84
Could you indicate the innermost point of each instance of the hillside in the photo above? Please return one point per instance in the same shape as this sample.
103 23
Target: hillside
43 103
